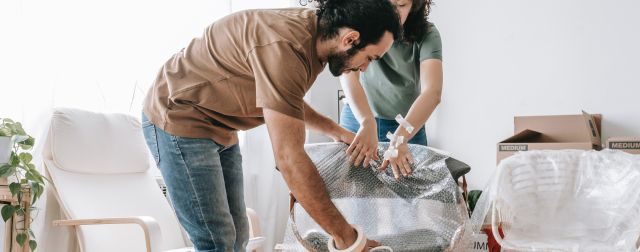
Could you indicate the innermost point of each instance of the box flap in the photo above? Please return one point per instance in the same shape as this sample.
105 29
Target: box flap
525 136
631 139
560 128
592 127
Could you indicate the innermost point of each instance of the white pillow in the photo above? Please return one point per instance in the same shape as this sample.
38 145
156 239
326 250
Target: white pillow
90 142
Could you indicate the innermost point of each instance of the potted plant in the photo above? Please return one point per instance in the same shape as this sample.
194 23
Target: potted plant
5 141
26 181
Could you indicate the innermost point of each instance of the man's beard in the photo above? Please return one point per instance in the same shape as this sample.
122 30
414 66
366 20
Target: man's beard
338 62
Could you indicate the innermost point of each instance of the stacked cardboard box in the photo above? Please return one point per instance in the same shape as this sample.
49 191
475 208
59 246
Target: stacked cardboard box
626 144
579 132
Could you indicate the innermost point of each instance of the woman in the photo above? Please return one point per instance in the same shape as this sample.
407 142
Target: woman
406 81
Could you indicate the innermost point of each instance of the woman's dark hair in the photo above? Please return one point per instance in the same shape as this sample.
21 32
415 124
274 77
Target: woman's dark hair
371 18
416 25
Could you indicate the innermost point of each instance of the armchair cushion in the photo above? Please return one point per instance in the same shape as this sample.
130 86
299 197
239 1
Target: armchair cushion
110 143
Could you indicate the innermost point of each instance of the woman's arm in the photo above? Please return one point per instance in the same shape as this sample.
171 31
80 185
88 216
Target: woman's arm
356 97
429 98
431 79
365 144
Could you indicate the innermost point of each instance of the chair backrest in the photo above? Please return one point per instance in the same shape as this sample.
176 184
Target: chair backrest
100 165
570 193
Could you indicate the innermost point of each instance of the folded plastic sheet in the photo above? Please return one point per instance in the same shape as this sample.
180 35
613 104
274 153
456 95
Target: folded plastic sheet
567 200
423 212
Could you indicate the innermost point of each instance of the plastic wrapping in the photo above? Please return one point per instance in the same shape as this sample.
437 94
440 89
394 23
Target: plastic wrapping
423 212
566 200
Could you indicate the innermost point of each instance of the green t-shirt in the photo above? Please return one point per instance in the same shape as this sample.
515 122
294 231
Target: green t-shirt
392 83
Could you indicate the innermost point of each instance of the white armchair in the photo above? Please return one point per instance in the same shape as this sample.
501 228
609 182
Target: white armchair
101 169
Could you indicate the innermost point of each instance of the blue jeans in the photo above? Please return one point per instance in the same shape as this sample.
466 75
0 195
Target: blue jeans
349 122
204 182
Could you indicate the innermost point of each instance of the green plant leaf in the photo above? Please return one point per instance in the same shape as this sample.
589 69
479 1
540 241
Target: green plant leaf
8 172
33 202
30 176
26 157
21 238
20 212
33 245
31 141
11 125
20 130
2 168
474 195
40 191
32 208
38 177
19 196
15 161
31 166
8 120
7 211
35 187
5 132
27 144
30 232
14 188
51 183
19 138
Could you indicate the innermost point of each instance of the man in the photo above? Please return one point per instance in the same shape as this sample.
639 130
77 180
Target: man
250 68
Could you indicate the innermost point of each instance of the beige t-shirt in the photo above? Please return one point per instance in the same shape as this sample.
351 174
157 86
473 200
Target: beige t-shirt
244 62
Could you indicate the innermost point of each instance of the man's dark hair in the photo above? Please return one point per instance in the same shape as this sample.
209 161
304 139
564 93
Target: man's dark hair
416 25
371 18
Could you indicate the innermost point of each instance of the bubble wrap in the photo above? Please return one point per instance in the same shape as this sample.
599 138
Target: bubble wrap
420 213
567 200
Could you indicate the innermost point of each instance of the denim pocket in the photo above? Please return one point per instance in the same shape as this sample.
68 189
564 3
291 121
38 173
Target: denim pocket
149 131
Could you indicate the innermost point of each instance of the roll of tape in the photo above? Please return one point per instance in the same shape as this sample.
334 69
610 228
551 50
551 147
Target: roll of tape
356 247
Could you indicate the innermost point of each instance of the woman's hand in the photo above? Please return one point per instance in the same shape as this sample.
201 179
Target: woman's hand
401 162
365 145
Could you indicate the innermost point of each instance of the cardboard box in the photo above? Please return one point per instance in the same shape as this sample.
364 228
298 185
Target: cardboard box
480 243
579 132
626 144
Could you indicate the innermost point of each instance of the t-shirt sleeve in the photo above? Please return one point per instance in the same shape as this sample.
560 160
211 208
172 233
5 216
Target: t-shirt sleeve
281 77
431 45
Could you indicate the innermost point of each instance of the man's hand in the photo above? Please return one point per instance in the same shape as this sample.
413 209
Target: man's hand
344 136
351 239
365 145
322 125
371 243
400 163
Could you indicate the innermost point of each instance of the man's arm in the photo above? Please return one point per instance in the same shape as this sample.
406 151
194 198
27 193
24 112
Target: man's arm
322 125
301 175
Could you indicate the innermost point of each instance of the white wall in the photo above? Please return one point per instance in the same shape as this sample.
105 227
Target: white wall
517 58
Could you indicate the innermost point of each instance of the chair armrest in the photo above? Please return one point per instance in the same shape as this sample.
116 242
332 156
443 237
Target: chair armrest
254 226
152 234
495 223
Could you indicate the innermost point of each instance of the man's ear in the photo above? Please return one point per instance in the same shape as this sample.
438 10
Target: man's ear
350 39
